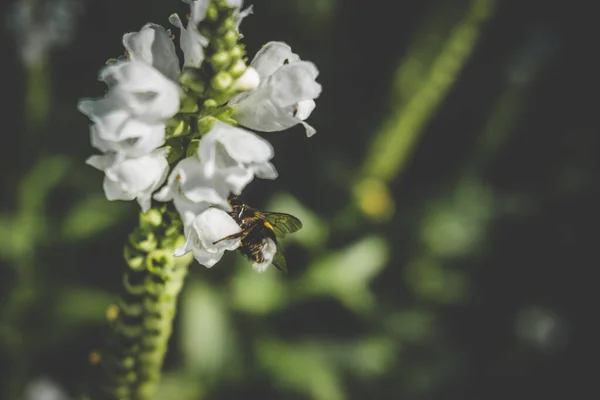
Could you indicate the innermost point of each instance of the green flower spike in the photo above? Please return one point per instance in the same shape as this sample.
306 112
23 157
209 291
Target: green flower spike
129 367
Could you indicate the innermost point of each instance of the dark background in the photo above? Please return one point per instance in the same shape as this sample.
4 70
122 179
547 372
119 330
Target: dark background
474 280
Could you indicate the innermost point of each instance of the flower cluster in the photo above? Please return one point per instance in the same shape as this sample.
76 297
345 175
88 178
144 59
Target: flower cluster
173 134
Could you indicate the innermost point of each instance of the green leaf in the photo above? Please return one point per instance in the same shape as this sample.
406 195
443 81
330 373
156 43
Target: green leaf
91 216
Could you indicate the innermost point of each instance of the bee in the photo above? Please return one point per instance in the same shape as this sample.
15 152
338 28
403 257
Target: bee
259 233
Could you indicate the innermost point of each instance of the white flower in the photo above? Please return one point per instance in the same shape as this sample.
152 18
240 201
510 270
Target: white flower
249 80
269 249
150 138
192 43
228 159
44 389
285 96
132 178
240 14
191 191
235 156
142 90
153 45
40 27
204 230
116 129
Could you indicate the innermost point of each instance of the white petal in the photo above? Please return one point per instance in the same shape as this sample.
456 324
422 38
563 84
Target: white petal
109 113
237 178
152 137
192 43
249 80
130 178
101 162
309 129
153 45
265 171
304 108
271 57
190 191
263 115
213 225
114 190
147 93
241 15
206 258
197 10
234 3
293 83
241 145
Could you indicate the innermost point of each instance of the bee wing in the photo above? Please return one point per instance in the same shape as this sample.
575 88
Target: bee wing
282 223
279 262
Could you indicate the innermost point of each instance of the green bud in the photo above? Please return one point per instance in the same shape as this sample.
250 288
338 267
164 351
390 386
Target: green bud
131 288
143 240
221 81
212 14
224 113
188 105
231 38
205 124
128 362
238 68
122 392
228 24
210 103
175 149
192 148
133 258
158 261
131 377
236 53
220 60
177 127
191 79
151 218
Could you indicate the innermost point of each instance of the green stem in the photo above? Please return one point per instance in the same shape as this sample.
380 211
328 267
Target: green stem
141 321
394 143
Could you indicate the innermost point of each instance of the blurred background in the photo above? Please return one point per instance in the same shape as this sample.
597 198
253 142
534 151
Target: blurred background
448 198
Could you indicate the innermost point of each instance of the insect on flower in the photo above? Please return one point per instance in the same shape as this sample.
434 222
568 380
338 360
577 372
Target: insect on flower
260 230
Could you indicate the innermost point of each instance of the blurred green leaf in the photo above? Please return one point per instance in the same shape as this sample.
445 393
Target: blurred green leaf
91 216
303 368
431 281
347 273
79 305
207 341
22 232
256 293
454 226
179 385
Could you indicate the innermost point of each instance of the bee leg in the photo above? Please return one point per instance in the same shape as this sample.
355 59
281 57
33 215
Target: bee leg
238 235
230 237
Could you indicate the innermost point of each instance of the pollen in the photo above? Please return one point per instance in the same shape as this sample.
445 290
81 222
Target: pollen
95 357
112 312
178 177
268 225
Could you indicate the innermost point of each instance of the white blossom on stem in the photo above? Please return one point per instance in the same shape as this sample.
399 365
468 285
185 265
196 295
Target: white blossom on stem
205 229
285 96
191 191
154 46
228 158
192 43
235 156
132 178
